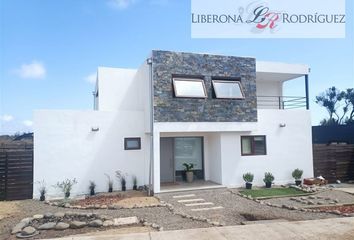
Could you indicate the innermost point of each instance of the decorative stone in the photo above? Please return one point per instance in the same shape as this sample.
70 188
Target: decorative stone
154 225
27 220
47 226
312 197
320 203
59 214
67 205
310 202
125 221
18 228
109 223
62 226
77 224
27 231
48 215
336 200
38 216
95 223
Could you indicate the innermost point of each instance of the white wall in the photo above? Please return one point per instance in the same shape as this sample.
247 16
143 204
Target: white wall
287 148
65 147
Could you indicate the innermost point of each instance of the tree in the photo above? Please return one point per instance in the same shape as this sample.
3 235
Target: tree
334 100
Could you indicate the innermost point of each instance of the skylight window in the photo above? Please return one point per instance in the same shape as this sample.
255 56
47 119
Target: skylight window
228 89
189 87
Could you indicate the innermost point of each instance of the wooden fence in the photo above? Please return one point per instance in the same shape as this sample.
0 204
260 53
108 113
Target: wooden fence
334 161
16 171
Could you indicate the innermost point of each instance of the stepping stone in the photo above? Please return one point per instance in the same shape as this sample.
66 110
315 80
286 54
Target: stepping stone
77 224
95 223
59 214
27 231
48 215
62 226
263 221
38 216
191 200
108 223
206 209
198 204
184 196
125 221
47 226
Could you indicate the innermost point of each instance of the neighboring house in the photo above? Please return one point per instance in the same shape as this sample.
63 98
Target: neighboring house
225 114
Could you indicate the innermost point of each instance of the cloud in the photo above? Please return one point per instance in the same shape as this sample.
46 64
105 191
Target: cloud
27 123
120 4
33 70
6 118
91 78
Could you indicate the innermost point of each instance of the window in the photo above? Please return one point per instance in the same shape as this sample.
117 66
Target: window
189 87
132 143
253 145
228 89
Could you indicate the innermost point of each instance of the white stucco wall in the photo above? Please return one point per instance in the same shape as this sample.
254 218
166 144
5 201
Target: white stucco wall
65 147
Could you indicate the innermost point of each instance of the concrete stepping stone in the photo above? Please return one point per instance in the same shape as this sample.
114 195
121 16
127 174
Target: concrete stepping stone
199 204
206 209
125 221
184 196
191 200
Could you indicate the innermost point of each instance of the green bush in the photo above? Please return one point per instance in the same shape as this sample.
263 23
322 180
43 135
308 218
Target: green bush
248 177
297 174
268 177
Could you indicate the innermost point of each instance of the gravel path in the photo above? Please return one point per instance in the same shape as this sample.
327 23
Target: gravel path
236 209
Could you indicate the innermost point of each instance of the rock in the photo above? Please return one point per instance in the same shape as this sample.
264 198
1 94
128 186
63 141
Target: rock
62 226
328 199
336 200
77 224
48 215
95 223
310 202
104 206
89 215
105 217
332 202
303 198
293 199
320 203
47 226
59 214
160 229
27 220
18 228
125 221
312 197
154 225
27 231
38 216
67 205
109 223
320 197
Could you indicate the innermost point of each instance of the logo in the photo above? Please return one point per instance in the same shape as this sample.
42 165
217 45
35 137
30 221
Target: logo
268 19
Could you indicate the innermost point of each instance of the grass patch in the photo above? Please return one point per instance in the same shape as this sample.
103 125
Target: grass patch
272 192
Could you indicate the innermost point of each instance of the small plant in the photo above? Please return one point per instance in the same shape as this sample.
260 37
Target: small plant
122 177
248 178
268 179
42 188
92 187
66 186
110 183
135 183
188 167
297 175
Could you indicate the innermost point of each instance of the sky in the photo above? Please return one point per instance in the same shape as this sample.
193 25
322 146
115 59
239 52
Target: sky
50 50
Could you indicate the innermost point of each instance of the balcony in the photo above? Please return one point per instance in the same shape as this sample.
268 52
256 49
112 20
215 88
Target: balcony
281 102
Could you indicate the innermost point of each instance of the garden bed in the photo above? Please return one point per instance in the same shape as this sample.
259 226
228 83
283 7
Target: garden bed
273 192
345 208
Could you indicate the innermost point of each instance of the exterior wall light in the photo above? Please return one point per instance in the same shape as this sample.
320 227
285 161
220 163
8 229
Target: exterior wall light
95 129
282 125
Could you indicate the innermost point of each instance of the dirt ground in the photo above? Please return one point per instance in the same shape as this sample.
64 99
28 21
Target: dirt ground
8 209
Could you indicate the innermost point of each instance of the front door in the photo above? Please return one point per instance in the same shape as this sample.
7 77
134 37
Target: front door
167 172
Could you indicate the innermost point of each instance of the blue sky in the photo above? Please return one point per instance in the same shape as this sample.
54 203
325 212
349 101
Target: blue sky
49 49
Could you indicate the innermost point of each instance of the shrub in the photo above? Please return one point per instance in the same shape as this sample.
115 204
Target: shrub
135 182
268 177
92 187
297 174
42 188
122 177
66 186
188 166
248 177
110 183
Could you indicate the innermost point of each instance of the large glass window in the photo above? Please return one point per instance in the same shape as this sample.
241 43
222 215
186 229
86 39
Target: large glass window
189 87
188 150
228 89
253 145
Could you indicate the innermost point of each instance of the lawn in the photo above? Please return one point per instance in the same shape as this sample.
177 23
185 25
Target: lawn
272 192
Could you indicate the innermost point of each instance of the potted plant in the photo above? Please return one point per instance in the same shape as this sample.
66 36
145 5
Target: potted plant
122 178
188 167
135 183
297 175
66 186
92 188
268 179
42 190
248 178
110 183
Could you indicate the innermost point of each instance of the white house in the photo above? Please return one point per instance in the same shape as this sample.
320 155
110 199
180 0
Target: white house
225 114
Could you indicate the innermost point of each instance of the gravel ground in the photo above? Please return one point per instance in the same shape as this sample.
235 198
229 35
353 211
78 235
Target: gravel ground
339 196
237 209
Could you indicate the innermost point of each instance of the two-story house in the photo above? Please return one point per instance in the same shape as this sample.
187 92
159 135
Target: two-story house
227 115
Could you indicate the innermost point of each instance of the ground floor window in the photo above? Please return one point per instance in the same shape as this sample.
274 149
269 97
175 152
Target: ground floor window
132 143
253 145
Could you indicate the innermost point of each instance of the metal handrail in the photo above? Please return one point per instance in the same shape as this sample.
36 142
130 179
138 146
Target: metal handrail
281 102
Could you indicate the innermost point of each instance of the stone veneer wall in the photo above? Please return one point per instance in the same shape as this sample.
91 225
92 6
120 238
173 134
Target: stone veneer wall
168 108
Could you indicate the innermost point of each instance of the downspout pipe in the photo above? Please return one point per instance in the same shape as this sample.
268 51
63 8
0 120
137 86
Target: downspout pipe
151 109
